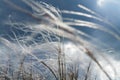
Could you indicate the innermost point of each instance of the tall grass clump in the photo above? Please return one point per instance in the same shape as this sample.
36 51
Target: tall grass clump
52 48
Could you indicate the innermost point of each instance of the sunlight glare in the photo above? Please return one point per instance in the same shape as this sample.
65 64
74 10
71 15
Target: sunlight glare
100 3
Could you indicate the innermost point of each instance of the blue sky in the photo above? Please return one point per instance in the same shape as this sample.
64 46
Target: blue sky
108 9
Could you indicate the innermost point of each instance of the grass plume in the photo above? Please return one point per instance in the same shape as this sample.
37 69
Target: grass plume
45 41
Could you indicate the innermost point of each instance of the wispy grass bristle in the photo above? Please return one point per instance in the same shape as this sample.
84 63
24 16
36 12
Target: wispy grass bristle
41 50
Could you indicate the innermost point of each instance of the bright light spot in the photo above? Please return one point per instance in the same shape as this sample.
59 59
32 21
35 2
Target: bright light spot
100 2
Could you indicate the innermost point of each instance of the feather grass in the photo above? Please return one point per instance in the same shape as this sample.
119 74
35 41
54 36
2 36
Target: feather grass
51 23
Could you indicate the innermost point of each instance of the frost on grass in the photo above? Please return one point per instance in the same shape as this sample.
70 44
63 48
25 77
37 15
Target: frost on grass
54 49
